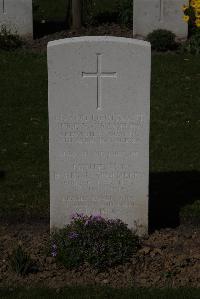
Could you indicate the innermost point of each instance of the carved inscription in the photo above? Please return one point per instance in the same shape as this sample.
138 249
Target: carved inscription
105 155
98 177
95 163
126 202
3 6
106 204
110 129
161 16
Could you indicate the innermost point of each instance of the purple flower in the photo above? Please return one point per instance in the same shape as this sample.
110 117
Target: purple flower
76 216
87 222
112 221
96 217
54 253
73 235
73 216
54 250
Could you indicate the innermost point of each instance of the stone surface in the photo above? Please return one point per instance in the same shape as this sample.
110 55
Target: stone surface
16 15
99 102
150 15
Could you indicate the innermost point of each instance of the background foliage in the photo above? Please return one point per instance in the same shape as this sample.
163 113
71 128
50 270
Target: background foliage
94 11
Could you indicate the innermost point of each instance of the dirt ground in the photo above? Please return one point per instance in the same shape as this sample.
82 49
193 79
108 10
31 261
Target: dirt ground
167 258
40 45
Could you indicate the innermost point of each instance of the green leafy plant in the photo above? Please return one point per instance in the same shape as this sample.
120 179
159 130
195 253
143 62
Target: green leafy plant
162 40
21 263
192 45
190 214
99 242
8 40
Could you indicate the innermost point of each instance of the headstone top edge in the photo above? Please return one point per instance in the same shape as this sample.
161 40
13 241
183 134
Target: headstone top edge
89 39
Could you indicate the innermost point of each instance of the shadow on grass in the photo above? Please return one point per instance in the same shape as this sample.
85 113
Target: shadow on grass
168 193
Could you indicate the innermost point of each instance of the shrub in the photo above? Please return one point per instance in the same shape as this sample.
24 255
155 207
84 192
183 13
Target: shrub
9 41
162 40
93 240
192 45
190 214
21 263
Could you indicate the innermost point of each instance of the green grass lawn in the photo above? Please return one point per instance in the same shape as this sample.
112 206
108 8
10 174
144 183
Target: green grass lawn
23 134
102 293
175 118
175 126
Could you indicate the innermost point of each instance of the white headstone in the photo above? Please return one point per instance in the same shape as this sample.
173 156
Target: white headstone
99 102
17 16
149 15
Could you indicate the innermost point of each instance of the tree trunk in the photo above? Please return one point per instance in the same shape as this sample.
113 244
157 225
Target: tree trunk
76 14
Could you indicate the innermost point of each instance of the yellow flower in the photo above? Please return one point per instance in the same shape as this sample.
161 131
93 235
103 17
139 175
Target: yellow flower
184 7
186 18
197 23
195 5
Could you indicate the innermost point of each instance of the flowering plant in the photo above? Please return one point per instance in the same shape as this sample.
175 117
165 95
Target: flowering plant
93 240
192 13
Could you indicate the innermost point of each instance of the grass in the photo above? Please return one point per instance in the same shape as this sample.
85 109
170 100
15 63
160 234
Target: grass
175 126
175 120
23 134
101 293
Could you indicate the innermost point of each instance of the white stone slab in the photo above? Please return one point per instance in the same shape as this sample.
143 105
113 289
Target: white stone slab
17 16
99 102
149 15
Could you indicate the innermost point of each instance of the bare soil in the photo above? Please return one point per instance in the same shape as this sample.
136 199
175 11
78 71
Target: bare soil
40 45
167 258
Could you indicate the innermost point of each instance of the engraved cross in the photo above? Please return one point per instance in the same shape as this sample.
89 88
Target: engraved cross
3 6
161 11
99 75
